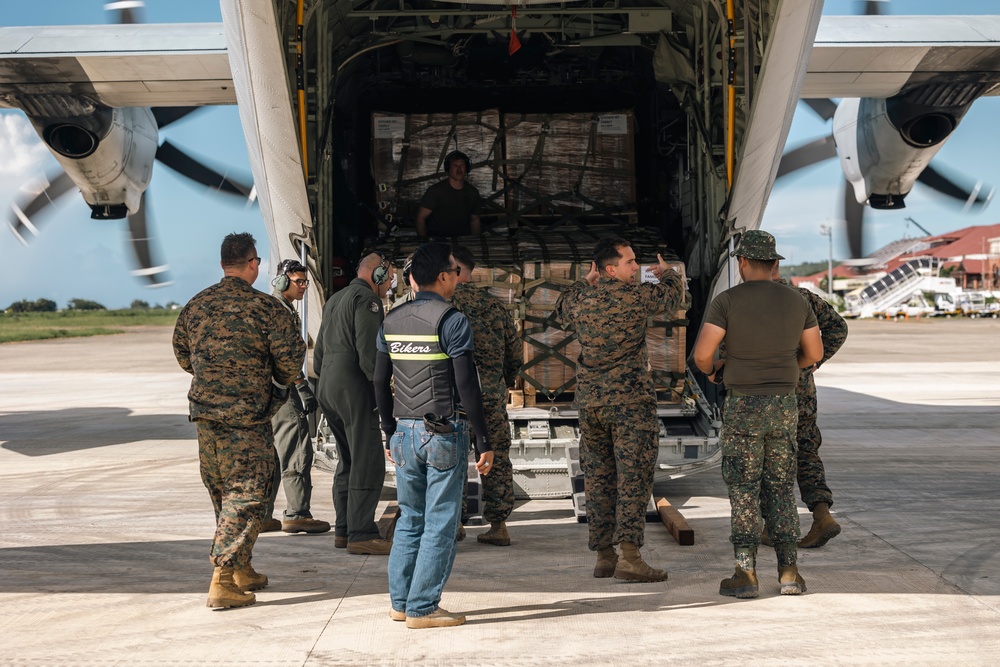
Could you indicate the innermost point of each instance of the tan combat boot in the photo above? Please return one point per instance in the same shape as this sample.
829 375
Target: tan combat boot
742 585
607 561
631 566
460 535
791 581
497 534
224 593
249 579
439 619
824 528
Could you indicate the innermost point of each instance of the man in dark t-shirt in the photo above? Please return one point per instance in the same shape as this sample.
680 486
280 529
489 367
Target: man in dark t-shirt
451 207
770 333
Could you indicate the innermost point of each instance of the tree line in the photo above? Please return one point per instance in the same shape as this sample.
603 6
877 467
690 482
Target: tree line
50 306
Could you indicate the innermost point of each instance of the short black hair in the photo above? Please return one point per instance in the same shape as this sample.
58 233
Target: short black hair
606 251
761 264
237 247
464 256
429 260
290 266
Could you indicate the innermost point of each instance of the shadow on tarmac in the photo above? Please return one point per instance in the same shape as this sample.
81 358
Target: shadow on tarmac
76 429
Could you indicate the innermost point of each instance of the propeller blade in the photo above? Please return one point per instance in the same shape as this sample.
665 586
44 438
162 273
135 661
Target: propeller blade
128 10
979 195
186 165
22 212
142 246
166 115
854 216
823 106
807 155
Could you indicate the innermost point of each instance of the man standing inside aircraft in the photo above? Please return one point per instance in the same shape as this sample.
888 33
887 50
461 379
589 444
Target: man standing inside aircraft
426 347
811 475
498 355
242 348
451 207
617 399
770 333
344 358
292 443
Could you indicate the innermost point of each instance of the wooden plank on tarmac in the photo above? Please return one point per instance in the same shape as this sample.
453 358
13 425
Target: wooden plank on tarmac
387 524
675 523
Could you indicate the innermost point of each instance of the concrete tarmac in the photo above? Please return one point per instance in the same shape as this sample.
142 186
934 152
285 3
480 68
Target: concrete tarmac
106 530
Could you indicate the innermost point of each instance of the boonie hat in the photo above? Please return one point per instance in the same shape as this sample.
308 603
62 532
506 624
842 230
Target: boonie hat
756 244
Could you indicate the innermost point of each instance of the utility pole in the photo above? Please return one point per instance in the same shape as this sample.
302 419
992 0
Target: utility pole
827 231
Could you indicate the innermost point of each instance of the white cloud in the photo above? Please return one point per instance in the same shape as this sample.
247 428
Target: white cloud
23 152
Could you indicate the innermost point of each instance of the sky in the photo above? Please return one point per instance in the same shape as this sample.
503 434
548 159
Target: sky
76 257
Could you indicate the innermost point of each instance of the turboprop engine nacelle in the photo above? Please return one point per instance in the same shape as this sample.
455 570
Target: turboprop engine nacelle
108 153
885 144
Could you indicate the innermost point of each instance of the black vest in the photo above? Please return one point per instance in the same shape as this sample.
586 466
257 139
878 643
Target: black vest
422 372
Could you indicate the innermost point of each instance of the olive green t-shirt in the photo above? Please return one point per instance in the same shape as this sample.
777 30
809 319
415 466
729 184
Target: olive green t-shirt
764 322
451 209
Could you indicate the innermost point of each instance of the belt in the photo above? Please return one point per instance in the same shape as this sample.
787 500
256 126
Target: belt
733 392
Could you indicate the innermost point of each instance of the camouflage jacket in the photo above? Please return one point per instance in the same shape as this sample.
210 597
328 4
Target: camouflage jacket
832 327
499 351
610 322
234 340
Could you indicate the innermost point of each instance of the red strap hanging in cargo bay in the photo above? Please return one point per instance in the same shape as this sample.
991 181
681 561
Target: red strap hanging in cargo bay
515 43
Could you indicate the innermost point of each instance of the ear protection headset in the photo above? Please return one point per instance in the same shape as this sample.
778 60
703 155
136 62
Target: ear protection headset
281 281
456 155
381 273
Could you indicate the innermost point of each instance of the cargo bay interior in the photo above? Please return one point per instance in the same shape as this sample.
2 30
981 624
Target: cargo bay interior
580 119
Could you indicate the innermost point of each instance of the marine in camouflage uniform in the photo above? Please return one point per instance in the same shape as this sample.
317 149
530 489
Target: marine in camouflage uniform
236 342
769 334
498 355
811 475
616 399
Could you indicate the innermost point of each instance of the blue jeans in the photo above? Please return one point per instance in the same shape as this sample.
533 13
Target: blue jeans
430 475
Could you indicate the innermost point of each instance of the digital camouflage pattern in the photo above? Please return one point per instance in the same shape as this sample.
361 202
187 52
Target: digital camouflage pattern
237 465
811 475
234 339
758 466
498 355
616 398
618 447
610 323
757 244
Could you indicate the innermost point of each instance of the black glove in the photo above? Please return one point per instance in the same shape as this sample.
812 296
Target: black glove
307 397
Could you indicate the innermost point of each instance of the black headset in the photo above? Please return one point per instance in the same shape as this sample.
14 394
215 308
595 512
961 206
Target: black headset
281 281
455 155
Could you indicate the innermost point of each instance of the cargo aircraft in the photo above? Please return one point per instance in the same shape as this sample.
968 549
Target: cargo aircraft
713 86
710 87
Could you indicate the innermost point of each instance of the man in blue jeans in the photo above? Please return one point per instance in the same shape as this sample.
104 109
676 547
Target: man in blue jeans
426 346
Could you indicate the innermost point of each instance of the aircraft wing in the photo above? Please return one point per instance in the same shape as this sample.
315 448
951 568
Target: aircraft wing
125 65
881 56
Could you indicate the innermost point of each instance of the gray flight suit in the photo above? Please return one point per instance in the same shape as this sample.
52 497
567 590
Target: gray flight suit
292 448
294 459
344 357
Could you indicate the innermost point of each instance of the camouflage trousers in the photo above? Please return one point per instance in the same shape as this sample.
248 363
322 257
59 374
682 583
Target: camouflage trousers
237 465
811 476
758 466
498 486
618 447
